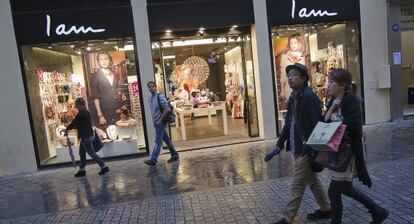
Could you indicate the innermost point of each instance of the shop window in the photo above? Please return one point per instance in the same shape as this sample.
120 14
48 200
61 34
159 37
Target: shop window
104 74
320 47
210 83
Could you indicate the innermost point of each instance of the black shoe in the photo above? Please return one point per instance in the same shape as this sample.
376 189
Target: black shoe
379 216
282 221
318 214
150 162
173 159
104 170
80 173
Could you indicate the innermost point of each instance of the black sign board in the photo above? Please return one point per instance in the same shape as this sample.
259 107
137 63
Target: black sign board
192 14
286 12
53 26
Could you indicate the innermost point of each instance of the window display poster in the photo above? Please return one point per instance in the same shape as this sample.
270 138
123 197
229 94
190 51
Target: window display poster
107 78
288 51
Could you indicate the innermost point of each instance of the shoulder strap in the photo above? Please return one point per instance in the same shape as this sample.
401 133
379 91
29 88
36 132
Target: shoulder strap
159 103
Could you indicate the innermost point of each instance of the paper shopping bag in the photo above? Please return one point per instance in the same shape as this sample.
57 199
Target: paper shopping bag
327 136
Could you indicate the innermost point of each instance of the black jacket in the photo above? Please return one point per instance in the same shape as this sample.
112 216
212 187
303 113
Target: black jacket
83 123
352 117
308 113
101 89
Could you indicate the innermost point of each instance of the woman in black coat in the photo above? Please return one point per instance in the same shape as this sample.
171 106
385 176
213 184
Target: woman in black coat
345 107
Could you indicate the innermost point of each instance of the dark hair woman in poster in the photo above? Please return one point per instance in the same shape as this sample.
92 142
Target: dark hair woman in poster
104 90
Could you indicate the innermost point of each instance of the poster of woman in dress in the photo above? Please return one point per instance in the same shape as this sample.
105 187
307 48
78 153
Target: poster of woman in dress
288 51
108 86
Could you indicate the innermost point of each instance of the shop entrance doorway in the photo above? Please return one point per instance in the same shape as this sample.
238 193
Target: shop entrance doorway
210 84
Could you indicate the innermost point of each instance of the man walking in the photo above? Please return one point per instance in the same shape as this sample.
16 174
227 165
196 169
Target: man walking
304 112
159 110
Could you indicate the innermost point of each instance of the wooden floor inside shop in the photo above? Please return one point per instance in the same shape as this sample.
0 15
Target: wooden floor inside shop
200 134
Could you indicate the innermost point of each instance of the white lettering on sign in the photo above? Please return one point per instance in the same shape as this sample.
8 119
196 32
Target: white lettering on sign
61 28
303 13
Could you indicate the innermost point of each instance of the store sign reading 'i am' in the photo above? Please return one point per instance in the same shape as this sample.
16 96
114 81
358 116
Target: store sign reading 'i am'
304 13
61 28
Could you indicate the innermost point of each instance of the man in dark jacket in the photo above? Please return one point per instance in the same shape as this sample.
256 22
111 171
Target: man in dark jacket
304 112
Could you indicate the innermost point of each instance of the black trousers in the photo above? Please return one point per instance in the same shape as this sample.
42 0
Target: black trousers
336 189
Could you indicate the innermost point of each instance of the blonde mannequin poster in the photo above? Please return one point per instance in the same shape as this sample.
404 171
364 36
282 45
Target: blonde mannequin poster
288 51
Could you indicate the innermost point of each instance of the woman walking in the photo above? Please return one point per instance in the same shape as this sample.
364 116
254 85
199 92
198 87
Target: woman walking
345 107
83 123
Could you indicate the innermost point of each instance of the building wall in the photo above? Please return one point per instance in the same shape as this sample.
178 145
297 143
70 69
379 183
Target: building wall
374 56
263 71
16 144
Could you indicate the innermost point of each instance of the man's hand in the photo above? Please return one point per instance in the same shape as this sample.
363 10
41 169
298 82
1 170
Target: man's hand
273 153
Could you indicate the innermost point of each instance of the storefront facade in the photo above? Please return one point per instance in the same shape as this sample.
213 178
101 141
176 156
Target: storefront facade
231 60
319 34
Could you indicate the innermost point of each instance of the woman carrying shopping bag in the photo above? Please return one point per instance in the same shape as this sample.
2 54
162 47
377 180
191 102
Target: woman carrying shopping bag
83 123
345 107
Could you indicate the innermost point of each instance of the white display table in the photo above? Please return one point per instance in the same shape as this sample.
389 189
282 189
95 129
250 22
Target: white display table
115 148
209 110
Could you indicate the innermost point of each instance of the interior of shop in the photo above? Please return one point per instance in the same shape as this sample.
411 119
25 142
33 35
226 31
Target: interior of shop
103 73
320 47
210 84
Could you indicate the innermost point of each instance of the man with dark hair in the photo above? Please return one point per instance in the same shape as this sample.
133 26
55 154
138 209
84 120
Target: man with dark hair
159 111
304 112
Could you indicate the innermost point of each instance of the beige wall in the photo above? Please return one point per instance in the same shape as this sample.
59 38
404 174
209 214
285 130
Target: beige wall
374 55
16 145
263 71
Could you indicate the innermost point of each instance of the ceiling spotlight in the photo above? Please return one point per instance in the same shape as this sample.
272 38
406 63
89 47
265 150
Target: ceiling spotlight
79 52
49 47
72 46
168 31
106 42
235 26
88 48
201 29
325 26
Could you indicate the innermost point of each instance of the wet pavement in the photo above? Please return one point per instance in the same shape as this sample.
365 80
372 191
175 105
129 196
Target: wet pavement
49 195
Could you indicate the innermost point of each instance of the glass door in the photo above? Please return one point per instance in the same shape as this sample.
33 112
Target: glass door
250 88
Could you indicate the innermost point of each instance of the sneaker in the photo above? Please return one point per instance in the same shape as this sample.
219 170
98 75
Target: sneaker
80 173
318 214
104 170
282 221
150 162
380 216
173 159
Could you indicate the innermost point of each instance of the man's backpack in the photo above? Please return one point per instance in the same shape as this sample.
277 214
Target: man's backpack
170 116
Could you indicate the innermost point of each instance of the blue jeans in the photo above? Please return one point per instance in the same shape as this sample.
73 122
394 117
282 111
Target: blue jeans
162 135
86 146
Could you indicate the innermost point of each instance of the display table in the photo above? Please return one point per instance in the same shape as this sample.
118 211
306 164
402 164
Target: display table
115 148
179 112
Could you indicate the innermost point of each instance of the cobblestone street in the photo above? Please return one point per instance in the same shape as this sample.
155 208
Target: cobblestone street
219 185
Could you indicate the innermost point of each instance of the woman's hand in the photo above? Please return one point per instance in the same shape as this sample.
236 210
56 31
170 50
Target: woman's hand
337 102
102 120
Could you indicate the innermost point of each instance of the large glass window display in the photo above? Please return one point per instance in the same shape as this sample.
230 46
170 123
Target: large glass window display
320 47
210 83
103 72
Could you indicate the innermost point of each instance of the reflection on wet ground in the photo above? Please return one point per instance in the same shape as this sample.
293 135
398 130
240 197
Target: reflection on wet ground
57 190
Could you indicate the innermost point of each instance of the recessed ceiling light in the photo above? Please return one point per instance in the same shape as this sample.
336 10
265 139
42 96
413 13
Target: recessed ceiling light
49 47
168 31
72 46
88 48
202 29
106 42
234 26
325 26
